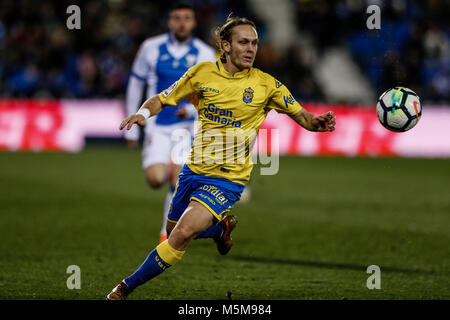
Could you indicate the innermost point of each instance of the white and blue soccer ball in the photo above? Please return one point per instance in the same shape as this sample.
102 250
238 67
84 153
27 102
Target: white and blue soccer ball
399 109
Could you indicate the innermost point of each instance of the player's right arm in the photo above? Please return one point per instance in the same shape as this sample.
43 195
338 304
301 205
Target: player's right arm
184 88
150 107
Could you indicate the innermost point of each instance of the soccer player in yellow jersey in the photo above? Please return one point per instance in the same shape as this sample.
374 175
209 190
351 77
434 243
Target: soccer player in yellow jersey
230 96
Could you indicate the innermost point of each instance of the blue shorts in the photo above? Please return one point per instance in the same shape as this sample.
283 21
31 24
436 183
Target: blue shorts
218 195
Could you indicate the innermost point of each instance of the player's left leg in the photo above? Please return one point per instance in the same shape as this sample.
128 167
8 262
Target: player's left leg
215 232
195 219
220 232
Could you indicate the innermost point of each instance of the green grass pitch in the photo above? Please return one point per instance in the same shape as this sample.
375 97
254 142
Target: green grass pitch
309 232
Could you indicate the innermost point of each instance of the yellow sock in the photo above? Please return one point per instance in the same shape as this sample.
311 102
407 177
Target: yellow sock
168 254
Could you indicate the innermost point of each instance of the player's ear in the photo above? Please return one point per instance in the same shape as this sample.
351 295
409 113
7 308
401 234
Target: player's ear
226 46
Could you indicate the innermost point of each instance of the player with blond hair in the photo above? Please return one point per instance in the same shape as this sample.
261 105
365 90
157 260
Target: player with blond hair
229 95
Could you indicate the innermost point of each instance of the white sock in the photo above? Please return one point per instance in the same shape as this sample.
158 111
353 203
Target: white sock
166 211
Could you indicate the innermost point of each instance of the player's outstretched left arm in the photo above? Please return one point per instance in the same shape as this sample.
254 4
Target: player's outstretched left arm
150 107
321 123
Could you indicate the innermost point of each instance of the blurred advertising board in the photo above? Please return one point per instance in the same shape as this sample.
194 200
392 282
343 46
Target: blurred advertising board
359 133
57 125
63 125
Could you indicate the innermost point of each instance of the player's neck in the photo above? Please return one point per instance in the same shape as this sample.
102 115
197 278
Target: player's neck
180 41
231 67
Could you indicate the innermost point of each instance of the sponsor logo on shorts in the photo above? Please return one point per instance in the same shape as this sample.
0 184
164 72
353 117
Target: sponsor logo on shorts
207 198
212 190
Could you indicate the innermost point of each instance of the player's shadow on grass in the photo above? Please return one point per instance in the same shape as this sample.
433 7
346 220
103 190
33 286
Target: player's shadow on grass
326 265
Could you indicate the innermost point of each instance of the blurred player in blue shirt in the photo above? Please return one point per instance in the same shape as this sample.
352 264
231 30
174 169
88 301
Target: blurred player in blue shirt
161 61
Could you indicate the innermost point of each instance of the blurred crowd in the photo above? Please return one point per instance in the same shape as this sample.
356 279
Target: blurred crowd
411 49
41 58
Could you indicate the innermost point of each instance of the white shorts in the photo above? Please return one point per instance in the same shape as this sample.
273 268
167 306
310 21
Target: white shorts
167 144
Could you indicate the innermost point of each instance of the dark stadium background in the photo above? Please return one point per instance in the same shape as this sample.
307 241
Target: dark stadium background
309 232
41 58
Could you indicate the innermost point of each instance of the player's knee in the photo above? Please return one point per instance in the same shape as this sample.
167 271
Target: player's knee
154 180
154 183
183 233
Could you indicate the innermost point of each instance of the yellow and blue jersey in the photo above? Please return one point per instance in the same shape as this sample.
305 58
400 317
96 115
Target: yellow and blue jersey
227 104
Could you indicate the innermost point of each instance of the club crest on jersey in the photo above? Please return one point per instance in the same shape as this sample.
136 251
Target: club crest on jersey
170 89
248 95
